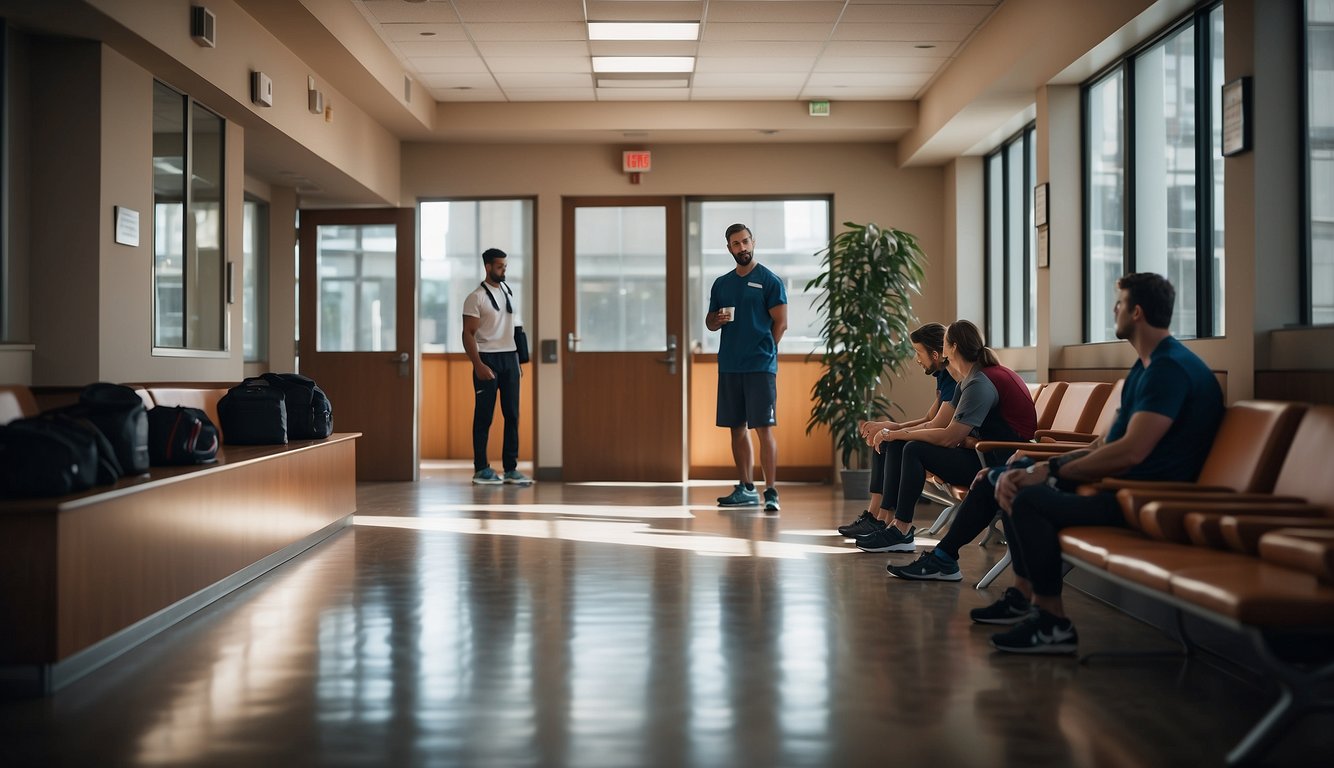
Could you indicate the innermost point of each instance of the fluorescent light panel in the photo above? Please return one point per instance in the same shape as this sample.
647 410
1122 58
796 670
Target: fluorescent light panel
643 63
611 82
643 30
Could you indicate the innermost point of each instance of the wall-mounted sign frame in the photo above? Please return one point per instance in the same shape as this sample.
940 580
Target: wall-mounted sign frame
1236 116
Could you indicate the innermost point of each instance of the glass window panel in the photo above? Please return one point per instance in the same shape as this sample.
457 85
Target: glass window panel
1030 325
620 265
1320 126
1105 195
204 264
168 216
453 235
996 246
356 268
255 281
1215 85
788 234
1015 267
1165 195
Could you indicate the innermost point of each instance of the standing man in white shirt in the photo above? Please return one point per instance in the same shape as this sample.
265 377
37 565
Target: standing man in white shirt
489 315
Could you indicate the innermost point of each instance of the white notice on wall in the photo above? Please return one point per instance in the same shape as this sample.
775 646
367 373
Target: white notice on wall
127 226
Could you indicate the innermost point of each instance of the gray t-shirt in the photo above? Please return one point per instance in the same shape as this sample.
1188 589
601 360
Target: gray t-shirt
974 399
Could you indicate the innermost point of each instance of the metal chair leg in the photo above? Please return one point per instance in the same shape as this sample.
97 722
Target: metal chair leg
996 570
943 520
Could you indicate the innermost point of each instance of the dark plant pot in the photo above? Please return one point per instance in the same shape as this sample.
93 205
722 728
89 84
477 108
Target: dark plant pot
856 483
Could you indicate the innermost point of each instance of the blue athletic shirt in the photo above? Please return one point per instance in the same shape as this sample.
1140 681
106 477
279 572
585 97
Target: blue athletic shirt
1178 385
747 343
945 385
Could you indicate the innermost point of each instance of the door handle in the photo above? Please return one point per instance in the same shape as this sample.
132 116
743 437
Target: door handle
670 359
570 341
402 357
401 360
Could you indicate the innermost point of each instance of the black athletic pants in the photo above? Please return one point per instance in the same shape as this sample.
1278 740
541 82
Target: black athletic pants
506 367
898 471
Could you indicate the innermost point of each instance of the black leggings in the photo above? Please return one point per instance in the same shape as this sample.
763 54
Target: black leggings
899 469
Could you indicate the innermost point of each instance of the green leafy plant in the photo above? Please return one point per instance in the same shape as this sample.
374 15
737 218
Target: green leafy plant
867 277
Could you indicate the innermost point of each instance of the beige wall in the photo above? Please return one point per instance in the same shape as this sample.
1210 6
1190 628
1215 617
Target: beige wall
862 178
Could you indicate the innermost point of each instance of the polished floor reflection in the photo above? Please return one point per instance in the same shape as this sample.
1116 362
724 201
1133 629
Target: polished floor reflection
601 625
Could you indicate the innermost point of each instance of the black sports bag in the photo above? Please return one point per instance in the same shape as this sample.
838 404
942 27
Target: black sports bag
119 412
40 458
253 412
309 412
181 435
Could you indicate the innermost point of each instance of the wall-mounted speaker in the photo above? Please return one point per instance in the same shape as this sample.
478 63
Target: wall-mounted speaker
203 26
261 89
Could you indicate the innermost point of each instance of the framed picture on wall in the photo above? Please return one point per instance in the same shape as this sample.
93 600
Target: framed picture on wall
1040 205
1042 246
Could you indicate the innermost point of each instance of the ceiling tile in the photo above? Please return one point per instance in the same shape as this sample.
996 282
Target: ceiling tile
728 48
744 94
531 80
472 11
889 48
560 48
891 93
413 32
524 31
715 64
750 11
645 10
775 79
476 94
815 32
952 32
551 94
643 94
537 64
386 11
448 64
914 79
437 50
444 80
879 64
932 13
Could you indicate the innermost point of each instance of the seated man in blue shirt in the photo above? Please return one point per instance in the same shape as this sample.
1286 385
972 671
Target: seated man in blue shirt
1171 407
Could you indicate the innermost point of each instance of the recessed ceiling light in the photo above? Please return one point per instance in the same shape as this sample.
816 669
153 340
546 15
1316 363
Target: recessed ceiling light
426 34
643 63
643 30
461 88
924 46
668 82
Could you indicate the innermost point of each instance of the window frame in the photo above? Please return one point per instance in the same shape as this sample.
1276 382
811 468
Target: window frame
1205 224
1000 338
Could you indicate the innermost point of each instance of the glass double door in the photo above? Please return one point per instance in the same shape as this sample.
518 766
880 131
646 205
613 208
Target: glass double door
623 321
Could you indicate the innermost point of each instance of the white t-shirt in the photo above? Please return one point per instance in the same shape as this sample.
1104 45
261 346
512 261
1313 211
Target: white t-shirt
496 332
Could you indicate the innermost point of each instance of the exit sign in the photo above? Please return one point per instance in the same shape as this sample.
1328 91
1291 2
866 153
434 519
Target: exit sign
637 161
819 108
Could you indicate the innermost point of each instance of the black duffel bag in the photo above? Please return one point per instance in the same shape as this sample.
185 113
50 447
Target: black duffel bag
119 412
181 435
253 412
309 412
39 457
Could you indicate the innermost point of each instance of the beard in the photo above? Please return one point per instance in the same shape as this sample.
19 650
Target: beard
931 369
743 258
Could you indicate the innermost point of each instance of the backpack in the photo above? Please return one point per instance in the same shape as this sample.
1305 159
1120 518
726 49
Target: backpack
253 412
120 414
309 412
181 435
40 458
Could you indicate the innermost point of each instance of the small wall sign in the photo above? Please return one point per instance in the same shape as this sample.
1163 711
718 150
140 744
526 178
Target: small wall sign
127 226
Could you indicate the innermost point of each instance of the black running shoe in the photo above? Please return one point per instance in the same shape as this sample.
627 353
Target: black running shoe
928 567
1012 608
887 539
866 523
1044 634
771 500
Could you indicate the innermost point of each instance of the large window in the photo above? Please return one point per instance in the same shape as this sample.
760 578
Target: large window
1320 169
1154 176
453 235
788 234
255 281
189 310
1011 270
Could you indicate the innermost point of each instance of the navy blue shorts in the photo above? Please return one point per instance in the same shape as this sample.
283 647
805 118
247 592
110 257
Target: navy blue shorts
747 399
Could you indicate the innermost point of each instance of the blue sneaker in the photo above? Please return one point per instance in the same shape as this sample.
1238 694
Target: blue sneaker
515 477
740 497
486 476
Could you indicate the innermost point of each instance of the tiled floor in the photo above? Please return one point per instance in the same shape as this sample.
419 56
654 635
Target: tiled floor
591 625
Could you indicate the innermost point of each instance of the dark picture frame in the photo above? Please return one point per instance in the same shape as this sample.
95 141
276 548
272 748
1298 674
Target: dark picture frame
1236 116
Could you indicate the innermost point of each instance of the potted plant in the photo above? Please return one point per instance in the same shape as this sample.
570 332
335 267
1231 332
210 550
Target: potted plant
867 277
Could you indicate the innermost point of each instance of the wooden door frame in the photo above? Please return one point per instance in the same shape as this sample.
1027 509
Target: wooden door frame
677 279
405 316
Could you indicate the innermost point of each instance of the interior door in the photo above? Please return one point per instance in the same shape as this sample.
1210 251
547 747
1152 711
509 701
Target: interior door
358 330
623 318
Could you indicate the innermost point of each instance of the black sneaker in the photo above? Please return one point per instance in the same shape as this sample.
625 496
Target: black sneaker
1044 633
771 500
866 523
888 539
1012 608
928 567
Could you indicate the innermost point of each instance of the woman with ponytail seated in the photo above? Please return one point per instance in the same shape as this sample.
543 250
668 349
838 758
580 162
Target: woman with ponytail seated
906 455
